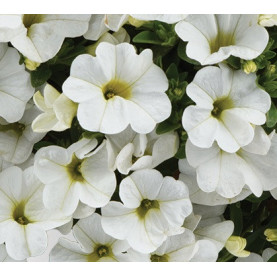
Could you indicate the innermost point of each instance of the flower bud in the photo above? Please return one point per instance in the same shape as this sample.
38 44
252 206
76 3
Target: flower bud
271 234
135 22
31 65
235 245
249 67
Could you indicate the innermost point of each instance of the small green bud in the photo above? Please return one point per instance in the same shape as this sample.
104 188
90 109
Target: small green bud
235 245
271 234
31 65
249 67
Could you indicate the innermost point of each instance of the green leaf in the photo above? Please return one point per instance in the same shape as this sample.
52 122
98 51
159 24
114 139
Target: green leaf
253 199
172 72
147 37
234 62
273 258
181 153
166 126
236 217
181 51
40 75
271 116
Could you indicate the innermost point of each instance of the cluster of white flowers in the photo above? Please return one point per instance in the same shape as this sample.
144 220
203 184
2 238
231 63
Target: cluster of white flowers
106 197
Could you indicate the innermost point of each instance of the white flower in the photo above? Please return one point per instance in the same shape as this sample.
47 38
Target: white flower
40 36
4 257
153 208
23 217
117 88
58 111
227 173
17 139
198 196
228 103
116 38
253 257
99 24
129 151
214 38
167 18
75 174
268 20
92 245
15 85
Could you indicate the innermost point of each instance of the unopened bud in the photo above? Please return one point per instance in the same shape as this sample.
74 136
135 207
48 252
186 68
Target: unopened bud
31 65
235 245
135 22
249 67
271 234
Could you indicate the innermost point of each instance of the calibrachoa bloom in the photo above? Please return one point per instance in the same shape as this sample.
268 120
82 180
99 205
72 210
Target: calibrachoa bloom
117 88
17 139
153 208
226 173
228 103
130 151
15 85
58 111
39 37
23 217
214 38
93 245
78 173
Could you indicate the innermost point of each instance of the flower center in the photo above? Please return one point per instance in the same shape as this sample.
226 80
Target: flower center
18 215
156 258
74 169
102 251
30 19
222 39
16 127
116 88
220 105
146 205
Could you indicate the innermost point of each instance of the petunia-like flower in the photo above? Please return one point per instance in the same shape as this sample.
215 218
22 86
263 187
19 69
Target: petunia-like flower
15 85
268 20
17 139
117 88
227 173
253 257
75 174
130 151
198 196
153 208
92 245
100 24
214 38
23 217
40 36
58 111
228 103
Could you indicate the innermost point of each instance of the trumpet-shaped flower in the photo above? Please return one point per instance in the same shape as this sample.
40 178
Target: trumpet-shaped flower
75 174
58 111
23 217
228 103
17 139
117 88
198 196
40 36
227 173
214 38
153 208
92 245
15 85
130 151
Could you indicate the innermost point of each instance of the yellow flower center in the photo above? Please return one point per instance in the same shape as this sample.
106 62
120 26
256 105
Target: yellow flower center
74 169
99 252
145 206
220 105
222 39
156 258
30 19
116 88
19 216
